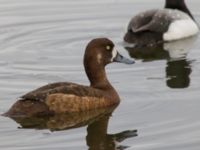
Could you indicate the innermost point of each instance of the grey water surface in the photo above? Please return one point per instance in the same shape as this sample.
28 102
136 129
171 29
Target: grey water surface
43 41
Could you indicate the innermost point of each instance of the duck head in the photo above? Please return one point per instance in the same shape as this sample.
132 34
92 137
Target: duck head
100 52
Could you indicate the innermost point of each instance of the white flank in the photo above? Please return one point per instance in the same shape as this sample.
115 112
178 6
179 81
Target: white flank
181 29
114 54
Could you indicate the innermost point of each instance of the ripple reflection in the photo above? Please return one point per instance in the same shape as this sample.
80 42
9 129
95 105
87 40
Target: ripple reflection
178 68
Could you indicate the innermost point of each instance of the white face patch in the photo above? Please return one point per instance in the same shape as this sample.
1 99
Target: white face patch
114 54
99 57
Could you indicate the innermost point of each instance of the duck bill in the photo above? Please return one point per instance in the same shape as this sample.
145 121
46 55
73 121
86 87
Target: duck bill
122 59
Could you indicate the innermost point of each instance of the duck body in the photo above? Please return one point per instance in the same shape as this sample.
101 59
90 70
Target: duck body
63 97
66 97
162 25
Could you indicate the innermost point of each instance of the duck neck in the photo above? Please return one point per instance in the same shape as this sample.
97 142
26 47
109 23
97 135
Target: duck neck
97 76
178 4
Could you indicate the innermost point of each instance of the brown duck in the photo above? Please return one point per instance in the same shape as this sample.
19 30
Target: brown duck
63 97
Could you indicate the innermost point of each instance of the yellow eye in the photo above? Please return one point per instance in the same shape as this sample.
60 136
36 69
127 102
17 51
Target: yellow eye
108 47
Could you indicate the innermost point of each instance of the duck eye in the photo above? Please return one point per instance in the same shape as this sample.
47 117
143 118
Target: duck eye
108 47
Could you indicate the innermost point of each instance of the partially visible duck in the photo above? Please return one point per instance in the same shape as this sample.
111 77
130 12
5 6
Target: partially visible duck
65 97
174 22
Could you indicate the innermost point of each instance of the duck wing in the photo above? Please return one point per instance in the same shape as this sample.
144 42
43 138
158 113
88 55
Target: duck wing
141 21
155 20
41 94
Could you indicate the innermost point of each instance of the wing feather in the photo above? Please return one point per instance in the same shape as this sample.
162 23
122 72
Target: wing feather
41 94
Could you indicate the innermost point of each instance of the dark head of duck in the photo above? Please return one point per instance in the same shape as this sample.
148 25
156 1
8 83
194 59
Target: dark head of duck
178 4
100 52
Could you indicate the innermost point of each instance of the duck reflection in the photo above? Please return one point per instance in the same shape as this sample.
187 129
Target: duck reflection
97 120
178 68
149 53
98 138
62 121
178 73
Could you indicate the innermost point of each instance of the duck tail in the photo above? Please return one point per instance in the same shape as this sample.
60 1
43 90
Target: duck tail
27 108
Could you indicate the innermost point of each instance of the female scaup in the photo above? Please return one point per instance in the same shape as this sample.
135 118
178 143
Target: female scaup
171 23
65 97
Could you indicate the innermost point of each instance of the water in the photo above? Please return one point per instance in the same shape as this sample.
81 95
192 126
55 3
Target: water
43 42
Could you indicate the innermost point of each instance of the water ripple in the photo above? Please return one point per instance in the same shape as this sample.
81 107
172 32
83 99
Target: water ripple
43 41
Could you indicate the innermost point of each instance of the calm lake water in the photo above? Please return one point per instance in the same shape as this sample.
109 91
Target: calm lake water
43 41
